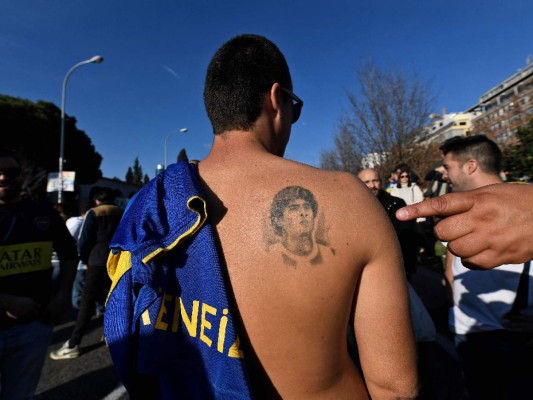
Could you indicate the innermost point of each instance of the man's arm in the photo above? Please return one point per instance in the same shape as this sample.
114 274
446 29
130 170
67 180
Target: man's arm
62 301
19 307
486 227
382 321
65 246
87 236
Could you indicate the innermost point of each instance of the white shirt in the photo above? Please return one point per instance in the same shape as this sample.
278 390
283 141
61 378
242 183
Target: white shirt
482 298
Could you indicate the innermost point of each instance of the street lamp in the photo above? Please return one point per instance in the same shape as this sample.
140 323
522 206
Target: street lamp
96 60
166 139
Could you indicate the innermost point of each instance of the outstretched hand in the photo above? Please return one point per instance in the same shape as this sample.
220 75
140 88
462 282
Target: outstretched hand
486 227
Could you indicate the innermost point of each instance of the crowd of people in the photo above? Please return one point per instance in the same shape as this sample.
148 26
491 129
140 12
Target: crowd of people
281 289
33 295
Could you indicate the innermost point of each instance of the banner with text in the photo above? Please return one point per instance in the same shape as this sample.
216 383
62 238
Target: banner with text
68 181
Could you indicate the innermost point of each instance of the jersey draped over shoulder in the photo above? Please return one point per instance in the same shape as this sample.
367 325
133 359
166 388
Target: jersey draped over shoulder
170 318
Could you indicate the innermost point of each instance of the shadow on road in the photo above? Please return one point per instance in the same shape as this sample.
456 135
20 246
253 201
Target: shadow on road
94 385
91 376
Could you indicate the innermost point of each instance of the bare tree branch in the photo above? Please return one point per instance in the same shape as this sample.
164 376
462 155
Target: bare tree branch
384 118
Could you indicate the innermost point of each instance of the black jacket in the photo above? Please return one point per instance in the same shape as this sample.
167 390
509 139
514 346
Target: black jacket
405 230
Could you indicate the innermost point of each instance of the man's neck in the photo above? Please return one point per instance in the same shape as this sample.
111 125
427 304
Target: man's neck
233 145
485 180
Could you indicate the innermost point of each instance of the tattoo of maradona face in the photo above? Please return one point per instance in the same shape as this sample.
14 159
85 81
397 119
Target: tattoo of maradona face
293 217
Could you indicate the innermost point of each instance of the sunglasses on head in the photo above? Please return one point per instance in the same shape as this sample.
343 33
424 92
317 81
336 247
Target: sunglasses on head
10 173
297 104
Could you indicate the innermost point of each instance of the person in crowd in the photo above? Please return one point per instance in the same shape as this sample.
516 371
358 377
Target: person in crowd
495 357
432 384
65 212
486 227
437 185
74 225
391 182
223 270
406 189
98 227
406 232
413 177
29 232
411 193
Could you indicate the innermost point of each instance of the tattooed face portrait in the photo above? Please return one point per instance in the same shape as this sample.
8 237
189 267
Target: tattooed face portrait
292 216
298 231
298 218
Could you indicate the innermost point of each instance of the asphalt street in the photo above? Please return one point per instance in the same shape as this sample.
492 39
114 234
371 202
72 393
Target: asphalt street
89 377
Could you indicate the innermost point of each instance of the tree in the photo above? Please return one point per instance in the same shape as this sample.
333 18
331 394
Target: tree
518 157
129 175
383 123
135 175
182 155
33 131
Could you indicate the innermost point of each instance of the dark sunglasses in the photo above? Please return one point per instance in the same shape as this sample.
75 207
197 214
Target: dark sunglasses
404 176
10 173
297 104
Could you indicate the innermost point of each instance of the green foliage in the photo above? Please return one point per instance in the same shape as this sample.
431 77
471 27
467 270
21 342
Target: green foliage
182 155
33 131
518 158
129 175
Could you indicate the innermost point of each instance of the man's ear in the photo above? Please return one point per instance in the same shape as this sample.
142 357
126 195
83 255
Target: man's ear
471 166
276 98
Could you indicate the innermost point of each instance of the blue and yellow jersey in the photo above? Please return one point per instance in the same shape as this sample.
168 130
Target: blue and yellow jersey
170 323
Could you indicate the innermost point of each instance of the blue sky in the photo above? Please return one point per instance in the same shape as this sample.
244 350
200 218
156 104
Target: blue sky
156 55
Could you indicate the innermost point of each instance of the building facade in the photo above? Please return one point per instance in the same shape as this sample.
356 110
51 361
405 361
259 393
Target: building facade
506 107
446 126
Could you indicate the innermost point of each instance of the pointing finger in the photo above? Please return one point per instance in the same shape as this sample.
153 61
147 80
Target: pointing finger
443 206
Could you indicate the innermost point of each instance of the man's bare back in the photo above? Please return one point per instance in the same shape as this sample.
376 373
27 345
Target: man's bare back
308 253
296 297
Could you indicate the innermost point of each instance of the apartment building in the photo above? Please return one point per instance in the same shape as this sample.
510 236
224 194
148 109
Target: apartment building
506 107
448 125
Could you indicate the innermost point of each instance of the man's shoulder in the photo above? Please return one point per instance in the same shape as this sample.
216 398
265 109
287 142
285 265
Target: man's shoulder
327 179
32 208
106 210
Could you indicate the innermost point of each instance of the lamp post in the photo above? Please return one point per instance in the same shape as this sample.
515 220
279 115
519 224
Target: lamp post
96 60
183 130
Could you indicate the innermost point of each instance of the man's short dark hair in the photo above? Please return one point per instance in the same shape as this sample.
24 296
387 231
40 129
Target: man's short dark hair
285 197
478 147
105 195
9 153
241 72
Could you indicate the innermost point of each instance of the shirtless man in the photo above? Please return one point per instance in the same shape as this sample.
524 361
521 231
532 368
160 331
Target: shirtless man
296 314
303 265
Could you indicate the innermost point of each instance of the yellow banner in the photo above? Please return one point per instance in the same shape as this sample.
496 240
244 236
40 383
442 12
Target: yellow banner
27 257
